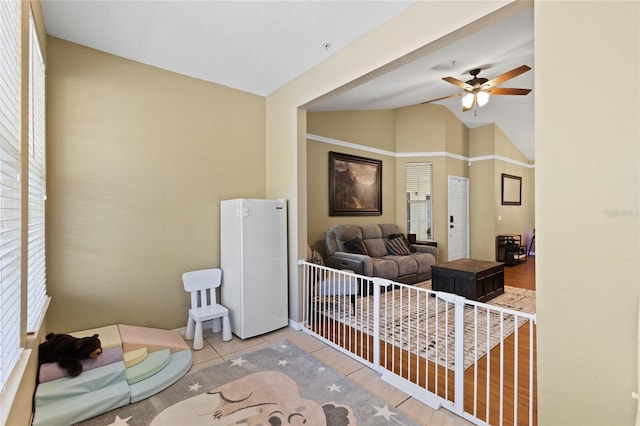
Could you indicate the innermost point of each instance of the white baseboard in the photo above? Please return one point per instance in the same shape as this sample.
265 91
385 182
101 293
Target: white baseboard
297 326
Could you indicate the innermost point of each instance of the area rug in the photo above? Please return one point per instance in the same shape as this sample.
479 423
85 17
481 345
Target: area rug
277 385
417 322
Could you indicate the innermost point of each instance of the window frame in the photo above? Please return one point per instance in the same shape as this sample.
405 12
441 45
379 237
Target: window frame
419 183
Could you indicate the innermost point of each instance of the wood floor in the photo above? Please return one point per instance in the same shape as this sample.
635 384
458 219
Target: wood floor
497 381
522 275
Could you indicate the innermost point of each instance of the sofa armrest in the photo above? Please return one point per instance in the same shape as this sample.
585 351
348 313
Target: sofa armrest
360 264
427 249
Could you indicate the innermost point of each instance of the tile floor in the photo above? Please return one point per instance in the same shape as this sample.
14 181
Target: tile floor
216 351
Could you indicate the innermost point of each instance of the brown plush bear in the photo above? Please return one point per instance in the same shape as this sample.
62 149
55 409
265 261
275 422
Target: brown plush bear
67 351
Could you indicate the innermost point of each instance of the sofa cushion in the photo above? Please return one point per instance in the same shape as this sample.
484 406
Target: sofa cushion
397 246
345 233
410 246
376 247
372 237
384 268
331 243
355 246
407 265
371 231
424 260
388 229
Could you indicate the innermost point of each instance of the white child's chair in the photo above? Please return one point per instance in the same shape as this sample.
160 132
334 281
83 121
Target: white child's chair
202 285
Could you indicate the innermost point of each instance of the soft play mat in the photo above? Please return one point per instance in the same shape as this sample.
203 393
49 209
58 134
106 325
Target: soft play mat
136 363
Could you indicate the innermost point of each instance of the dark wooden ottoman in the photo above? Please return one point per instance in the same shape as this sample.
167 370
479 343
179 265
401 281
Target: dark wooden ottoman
474 279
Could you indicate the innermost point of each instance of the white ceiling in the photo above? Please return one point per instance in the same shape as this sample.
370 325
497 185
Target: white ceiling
258 46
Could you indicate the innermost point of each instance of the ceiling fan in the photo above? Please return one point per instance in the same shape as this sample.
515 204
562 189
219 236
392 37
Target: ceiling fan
477 90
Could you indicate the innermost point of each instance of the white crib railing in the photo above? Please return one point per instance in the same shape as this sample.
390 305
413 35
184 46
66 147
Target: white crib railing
475 359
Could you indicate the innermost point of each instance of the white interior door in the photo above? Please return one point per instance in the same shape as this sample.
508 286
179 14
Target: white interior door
458 218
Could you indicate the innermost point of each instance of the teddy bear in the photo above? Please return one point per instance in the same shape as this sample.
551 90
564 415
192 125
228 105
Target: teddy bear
67 351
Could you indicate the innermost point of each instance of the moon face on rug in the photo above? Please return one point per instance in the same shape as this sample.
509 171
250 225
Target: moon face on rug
265 398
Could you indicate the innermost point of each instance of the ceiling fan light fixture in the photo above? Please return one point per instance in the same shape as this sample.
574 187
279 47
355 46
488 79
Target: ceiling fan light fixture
476 92
482 97
467 100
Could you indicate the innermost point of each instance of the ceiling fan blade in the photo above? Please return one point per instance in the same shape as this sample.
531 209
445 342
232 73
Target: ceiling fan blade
507 91
458 83
507 76
444 97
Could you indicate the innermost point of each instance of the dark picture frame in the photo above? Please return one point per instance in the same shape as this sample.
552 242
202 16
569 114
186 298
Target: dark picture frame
355 185
511 190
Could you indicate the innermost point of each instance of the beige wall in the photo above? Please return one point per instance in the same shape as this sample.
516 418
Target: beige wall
514 219
374 129
138 161
420 128
318 219
484 193
488 217
482 209
587 193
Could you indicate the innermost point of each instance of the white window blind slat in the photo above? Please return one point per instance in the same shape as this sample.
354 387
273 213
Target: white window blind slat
36 271
10 72
419 181
9 188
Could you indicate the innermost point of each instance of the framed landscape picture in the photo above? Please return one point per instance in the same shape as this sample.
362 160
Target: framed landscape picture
355 185
511 190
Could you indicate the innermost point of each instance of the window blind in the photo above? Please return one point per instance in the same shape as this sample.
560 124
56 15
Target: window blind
419 180
36 275
9 187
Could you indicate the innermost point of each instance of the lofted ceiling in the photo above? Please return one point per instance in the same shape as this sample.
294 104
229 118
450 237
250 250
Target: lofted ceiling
258 46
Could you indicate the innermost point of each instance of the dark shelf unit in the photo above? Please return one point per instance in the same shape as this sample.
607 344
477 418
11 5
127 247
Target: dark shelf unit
509 249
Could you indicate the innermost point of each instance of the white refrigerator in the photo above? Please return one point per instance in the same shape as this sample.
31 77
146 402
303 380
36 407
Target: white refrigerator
253 259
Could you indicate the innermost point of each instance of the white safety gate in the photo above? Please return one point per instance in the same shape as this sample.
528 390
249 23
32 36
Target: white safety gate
474 359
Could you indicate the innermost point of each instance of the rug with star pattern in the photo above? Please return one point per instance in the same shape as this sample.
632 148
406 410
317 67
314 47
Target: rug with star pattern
274 386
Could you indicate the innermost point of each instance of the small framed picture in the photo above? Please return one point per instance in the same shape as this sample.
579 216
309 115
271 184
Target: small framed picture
511 190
